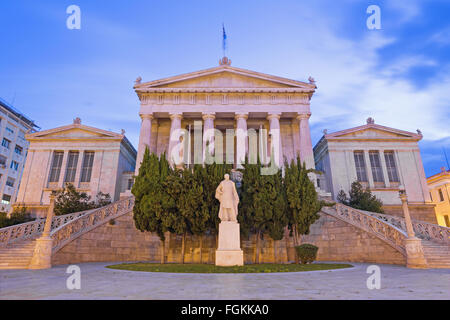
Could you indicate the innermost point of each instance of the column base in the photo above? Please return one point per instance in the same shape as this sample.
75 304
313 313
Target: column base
415 258
228 258
42 256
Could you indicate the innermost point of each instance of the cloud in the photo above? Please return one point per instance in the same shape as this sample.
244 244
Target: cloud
441 37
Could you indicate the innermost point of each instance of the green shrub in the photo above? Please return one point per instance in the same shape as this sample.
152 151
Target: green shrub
18 216
306 253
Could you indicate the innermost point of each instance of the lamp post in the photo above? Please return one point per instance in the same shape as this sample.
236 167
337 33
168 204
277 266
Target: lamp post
415 257
42 256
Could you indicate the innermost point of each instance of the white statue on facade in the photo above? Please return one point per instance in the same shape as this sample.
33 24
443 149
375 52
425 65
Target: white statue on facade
227 195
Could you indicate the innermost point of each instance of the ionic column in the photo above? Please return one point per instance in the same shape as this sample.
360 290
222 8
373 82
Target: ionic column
241 139
174 140
306 150
208 135
276 149
144 139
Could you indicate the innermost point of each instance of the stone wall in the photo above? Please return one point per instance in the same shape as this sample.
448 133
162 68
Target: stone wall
423 212
337 241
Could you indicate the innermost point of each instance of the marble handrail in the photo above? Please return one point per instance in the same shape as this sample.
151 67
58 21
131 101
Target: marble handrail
72 229
382 229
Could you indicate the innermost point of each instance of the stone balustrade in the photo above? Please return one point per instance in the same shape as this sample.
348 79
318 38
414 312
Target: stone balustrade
72 229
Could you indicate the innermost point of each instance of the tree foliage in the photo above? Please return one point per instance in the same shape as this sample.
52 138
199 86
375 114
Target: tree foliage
69 200
182 201
360 198
302 200
18 216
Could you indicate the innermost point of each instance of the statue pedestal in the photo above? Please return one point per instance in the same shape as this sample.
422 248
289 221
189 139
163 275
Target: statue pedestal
229 251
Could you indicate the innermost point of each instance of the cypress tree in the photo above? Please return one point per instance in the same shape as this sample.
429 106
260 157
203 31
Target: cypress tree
149 210
303 204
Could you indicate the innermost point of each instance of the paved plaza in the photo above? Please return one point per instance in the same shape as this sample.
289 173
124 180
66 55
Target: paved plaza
98 282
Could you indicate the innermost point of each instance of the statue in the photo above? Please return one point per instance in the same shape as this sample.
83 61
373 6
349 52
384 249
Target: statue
227 195
228 251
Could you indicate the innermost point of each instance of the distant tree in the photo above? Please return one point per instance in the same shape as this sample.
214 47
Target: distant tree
69 200
102 199
18 216
360 198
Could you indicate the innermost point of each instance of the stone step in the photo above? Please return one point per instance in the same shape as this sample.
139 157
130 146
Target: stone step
13 267
12 263
438 259
439 266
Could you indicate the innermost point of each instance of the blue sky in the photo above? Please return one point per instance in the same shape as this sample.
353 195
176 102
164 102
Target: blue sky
399 75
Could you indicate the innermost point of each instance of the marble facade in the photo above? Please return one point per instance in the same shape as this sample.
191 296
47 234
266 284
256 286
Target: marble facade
382 159
222 99
112 160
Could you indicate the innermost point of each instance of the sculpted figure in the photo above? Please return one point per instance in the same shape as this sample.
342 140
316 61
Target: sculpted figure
227 195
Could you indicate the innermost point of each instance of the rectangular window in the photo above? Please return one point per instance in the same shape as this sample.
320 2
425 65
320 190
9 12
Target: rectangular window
56 166
2 160
375 163
391 166
18 149
14 165
441 195
86 169
130 184
6 199
10 182
9 130
71 168
360 165
6 143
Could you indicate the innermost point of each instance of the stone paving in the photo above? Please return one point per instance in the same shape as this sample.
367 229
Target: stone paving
98 282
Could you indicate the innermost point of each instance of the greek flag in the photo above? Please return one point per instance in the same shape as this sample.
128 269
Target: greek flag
224 41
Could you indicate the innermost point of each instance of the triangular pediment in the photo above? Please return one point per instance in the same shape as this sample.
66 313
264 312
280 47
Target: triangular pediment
225 77
74 131
373 131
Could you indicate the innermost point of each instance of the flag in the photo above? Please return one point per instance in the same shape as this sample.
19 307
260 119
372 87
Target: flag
224 41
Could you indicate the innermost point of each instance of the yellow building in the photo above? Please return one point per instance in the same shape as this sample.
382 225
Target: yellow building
439 186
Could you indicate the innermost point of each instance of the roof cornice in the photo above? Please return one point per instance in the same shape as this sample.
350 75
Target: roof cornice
225 68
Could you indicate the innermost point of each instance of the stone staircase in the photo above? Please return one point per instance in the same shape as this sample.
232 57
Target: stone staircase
17 255
437 255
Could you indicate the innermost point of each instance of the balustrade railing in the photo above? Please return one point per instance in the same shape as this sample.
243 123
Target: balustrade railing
33 229
21 231
423 230
71 230
381 228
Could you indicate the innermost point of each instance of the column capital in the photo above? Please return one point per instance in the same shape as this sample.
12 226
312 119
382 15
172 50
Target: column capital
211 115
238 116
273 116
176 116
146 116
303 116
